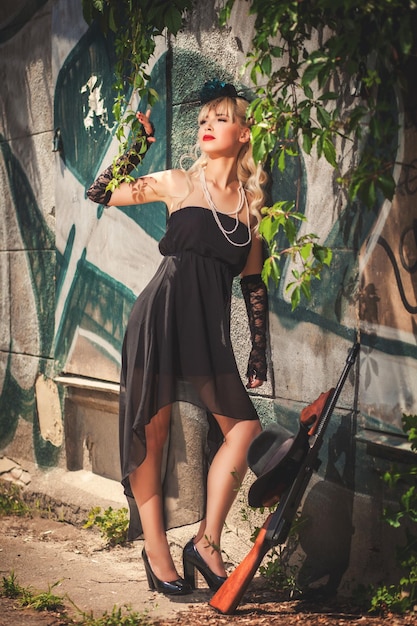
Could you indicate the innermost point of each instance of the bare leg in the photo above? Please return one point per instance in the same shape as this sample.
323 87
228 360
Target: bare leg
145 482
224 479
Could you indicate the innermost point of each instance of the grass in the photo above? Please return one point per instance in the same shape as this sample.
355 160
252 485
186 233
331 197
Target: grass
113 527
11 500
40 601
49 601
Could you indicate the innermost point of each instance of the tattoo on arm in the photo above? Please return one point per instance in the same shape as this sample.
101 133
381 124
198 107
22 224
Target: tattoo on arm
139 188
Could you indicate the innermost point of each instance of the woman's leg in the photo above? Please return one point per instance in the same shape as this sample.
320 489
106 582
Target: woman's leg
225 476
146 485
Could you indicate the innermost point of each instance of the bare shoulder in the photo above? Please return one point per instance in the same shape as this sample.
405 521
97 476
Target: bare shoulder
177 186
178 176
173 181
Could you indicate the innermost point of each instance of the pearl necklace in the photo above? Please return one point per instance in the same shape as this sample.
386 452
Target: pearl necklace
242 201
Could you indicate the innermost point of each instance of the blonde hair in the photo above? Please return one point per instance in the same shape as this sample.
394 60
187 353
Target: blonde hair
251 175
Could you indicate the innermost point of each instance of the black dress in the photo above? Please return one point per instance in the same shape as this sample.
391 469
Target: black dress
177 347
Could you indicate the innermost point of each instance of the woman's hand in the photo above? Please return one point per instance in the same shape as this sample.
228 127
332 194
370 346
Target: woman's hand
253 382
144 119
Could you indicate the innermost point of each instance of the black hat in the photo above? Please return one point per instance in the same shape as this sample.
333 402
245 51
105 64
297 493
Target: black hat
275 456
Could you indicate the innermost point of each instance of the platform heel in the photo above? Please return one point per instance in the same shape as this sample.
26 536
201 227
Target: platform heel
192 560
177 587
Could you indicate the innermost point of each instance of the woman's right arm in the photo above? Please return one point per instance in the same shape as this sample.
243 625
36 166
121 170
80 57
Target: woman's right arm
165 186
102 189
155 187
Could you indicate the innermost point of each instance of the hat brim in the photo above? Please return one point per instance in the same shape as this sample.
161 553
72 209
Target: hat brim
280 471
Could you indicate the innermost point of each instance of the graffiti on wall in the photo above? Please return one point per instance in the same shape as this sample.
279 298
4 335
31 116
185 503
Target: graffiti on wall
104 257
94 294
34 268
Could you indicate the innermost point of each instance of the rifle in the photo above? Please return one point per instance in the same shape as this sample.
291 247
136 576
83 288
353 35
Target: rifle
277 525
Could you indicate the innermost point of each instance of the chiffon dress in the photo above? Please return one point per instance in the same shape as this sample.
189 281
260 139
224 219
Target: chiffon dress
177 349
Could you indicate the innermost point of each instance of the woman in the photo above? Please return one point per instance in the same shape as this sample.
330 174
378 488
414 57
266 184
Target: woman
179 329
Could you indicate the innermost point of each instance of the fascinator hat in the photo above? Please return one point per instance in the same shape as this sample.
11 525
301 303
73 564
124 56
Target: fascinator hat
215 88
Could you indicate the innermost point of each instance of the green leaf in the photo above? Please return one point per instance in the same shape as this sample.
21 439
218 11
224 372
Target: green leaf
308 92
259 150
295 298
225 12
112 20
387 184
329 95
323 117
313 69
266 65
268 228
306 251
306 289
290 230
305 113
271 271
276 51
173 20
369 193
322 254
307 143
329 151
281 160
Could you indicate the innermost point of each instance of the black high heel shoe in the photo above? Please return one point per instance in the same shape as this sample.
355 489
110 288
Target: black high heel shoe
193 560
174 588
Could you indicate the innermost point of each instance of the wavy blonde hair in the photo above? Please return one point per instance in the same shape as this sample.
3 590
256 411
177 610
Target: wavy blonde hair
251 175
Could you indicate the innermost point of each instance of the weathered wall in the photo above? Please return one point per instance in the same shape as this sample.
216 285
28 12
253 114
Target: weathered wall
27 231
70 272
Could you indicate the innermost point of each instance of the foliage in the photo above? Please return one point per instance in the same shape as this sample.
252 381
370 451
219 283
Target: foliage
11 501
113 524
329 95
43 600
48 601
390 599
299 96
278 569
40 601
10 587
117 617
278 573
135 24
304 250
308 96
403 596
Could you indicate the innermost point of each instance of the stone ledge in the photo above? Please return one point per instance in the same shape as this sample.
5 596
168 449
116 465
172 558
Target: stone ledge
80 382
64 495
387 445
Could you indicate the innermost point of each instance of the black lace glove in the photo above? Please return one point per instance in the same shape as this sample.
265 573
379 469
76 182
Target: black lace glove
98 191
256 299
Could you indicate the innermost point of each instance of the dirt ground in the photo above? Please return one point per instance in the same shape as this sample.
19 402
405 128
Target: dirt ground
75 564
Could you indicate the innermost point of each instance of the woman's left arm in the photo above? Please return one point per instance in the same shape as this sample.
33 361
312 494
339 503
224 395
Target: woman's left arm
256 300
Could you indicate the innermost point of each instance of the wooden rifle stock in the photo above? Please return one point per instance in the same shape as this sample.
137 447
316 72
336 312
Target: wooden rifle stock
277 525
227 598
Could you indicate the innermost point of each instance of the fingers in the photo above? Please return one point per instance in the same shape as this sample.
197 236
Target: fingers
254 382
144 119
